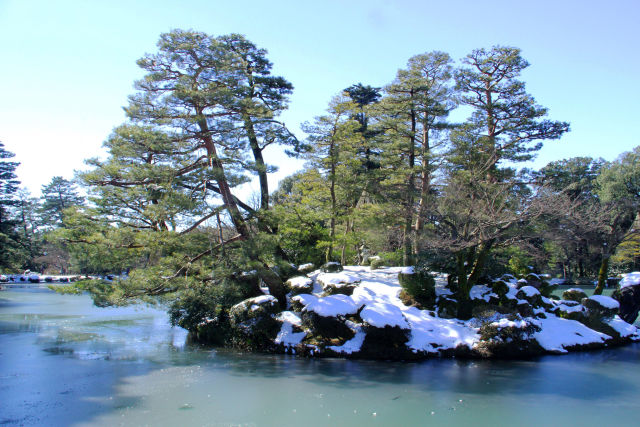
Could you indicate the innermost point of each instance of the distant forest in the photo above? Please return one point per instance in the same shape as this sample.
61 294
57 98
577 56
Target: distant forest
389 180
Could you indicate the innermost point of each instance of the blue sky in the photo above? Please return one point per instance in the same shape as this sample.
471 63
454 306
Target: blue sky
68 66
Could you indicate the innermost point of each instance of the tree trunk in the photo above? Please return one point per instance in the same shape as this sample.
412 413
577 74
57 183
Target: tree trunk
261 167
480 261
407 256
602 275
225 191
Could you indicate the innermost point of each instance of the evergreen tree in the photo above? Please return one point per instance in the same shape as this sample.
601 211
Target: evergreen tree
58 195
413 115
11 253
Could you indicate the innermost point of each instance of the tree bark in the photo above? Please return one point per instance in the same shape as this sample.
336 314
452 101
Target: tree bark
602 275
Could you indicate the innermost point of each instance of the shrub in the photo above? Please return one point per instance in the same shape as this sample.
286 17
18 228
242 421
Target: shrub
420 286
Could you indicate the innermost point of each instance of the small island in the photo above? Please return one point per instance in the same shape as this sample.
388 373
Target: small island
358 312
443 221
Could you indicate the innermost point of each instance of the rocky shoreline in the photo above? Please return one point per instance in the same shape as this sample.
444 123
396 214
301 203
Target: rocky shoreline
357 312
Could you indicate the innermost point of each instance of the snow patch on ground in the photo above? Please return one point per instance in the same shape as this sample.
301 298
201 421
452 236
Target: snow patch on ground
530 291
337 278
381 314
557 334
482 292
332 306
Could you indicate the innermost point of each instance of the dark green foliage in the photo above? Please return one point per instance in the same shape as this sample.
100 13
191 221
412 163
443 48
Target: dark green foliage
420 286
203 310
12 252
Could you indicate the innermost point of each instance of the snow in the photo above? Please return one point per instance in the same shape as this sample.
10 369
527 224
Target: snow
263 299
623 328
342 278
354 344
557 334
442 290
630 279
530 291
431 334
408 270
286 335
506 323
481 292
300 282
381 314
305 266
605 301
377 294
333 306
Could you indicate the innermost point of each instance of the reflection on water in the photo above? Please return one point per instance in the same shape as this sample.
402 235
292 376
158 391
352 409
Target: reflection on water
65 362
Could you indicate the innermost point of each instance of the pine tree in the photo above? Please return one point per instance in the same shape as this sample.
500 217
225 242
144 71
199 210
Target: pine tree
11 252
58 195
413 115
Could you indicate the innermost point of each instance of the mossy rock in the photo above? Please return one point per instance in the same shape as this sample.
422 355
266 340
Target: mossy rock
421 286
388 343
508 338
524 309
530 294
299 285
253 324
338 288
306 268
571 310
598 310
326 327
331 267
574 294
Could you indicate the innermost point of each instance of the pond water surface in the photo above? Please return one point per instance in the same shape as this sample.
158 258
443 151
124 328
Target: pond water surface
65 362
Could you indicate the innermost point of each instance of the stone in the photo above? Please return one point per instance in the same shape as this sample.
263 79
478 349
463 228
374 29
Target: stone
510 337
574 294
299 285
306 268
629 299
331 267
253 323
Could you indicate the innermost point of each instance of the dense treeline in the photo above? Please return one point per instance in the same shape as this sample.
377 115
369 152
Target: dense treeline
387 174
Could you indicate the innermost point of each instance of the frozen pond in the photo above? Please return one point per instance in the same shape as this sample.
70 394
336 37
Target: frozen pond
66 362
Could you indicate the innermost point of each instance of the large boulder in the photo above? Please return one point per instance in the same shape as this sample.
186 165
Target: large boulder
325 317
299 285
306 268
629 297
601 307
574 294
253 322
338 283
508 338
331 267
387 332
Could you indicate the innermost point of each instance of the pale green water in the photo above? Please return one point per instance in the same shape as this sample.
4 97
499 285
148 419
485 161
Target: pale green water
65 362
